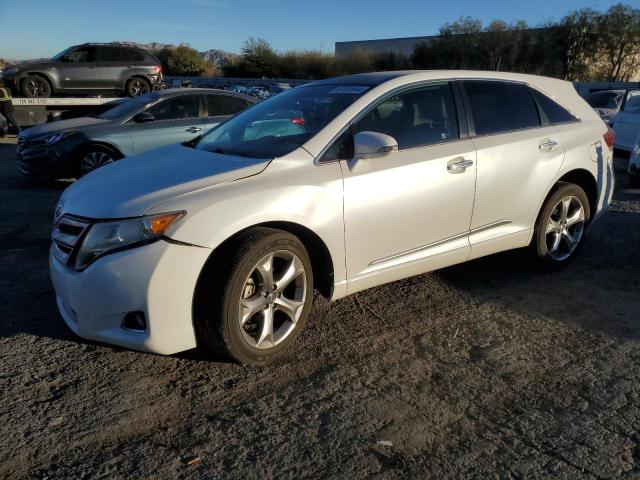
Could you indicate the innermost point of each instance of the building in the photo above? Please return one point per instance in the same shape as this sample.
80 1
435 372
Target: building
404 45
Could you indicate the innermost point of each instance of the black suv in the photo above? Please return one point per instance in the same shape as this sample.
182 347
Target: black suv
88 68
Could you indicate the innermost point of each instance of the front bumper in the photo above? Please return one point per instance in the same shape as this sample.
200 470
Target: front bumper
50 161
158 279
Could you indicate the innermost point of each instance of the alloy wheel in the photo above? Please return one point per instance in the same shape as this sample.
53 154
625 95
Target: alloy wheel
93 160
565 228
272 299
35 87
138 87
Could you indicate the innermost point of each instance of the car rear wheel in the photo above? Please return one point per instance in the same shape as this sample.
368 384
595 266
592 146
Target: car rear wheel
94 157
252 307
137 86
35 86
561 226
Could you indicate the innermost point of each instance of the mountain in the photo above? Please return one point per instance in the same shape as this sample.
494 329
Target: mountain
218 58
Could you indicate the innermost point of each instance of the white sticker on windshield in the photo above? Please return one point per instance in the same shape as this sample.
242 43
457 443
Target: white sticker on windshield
349 89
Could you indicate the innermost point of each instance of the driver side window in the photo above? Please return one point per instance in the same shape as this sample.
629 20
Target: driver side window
83 55
415 118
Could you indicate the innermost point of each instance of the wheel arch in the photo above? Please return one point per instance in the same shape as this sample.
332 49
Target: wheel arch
585 180
319 254
75 157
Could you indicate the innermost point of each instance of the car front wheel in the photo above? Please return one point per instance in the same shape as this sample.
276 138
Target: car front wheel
34 86
561 226
253 306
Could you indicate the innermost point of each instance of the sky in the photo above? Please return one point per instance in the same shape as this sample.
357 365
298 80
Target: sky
42 28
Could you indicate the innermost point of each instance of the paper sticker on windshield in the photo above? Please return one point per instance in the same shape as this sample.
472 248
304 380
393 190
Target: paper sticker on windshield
349 89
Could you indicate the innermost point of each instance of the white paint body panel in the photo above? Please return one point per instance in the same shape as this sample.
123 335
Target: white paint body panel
389 218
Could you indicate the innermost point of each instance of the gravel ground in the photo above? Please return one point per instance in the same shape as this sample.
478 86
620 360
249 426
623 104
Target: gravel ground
487 369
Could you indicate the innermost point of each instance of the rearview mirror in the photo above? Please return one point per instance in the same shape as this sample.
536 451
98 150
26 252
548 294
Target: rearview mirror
144 117
373 145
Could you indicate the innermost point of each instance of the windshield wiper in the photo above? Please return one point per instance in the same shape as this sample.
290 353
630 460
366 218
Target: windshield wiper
223 151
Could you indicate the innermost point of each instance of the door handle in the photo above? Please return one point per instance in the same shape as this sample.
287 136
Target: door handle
193 129
458 165
548 145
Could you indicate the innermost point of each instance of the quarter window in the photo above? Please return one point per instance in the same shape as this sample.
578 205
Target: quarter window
555 113
415 118
498 107
225 105
181 107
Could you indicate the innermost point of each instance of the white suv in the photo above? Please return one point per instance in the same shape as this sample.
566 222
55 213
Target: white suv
338 185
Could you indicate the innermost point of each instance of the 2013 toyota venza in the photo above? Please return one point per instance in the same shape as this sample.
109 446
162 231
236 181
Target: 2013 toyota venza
338 185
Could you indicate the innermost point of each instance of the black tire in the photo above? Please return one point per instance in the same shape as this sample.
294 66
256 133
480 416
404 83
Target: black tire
564 253
97 152
36 86
137 86
224 282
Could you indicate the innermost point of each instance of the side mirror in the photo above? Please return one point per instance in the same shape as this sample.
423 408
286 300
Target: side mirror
367 145
144 117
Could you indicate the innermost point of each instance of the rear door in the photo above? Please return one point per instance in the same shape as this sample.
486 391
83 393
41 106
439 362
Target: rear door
112 60
80 70
220 107
177 119
518 155
626 123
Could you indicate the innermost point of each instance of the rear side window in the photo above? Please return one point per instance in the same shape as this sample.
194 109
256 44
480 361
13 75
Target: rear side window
112 54
225 105
554 112
499 107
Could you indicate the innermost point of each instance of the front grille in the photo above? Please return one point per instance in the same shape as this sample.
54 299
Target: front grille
67 234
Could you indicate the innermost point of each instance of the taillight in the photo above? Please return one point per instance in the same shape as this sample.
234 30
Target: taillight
157 69
298 121
609 137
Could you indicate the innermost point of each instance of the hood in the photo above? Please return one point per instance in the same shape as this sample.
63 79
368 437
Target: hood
133 185
61 125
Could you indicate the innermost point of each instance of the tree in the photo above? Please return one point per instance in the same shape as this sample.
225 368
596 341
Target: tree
258 58
580 41
619 38
181 60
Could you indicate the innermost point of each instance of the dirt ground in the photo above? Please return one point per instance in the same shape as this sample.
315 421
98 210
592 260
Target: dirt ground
490 369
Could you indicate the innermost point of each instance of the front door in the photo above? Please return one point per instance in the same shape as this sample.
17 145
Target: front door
175 120
79 69
410 211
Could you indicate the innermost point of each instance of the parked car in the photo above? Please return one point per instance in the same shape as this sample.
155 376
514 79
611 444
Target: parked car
606 103
626 123
634 163
89 68
221 242
75 147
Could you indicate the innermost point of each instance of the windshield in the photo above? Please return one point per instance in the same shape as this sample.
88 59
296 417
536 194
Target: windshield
282 123
604 99
128 107
58 56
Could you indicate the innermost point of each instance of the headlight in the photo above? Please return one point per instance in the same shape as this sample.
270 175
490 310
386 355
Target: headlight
56 137
108 237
